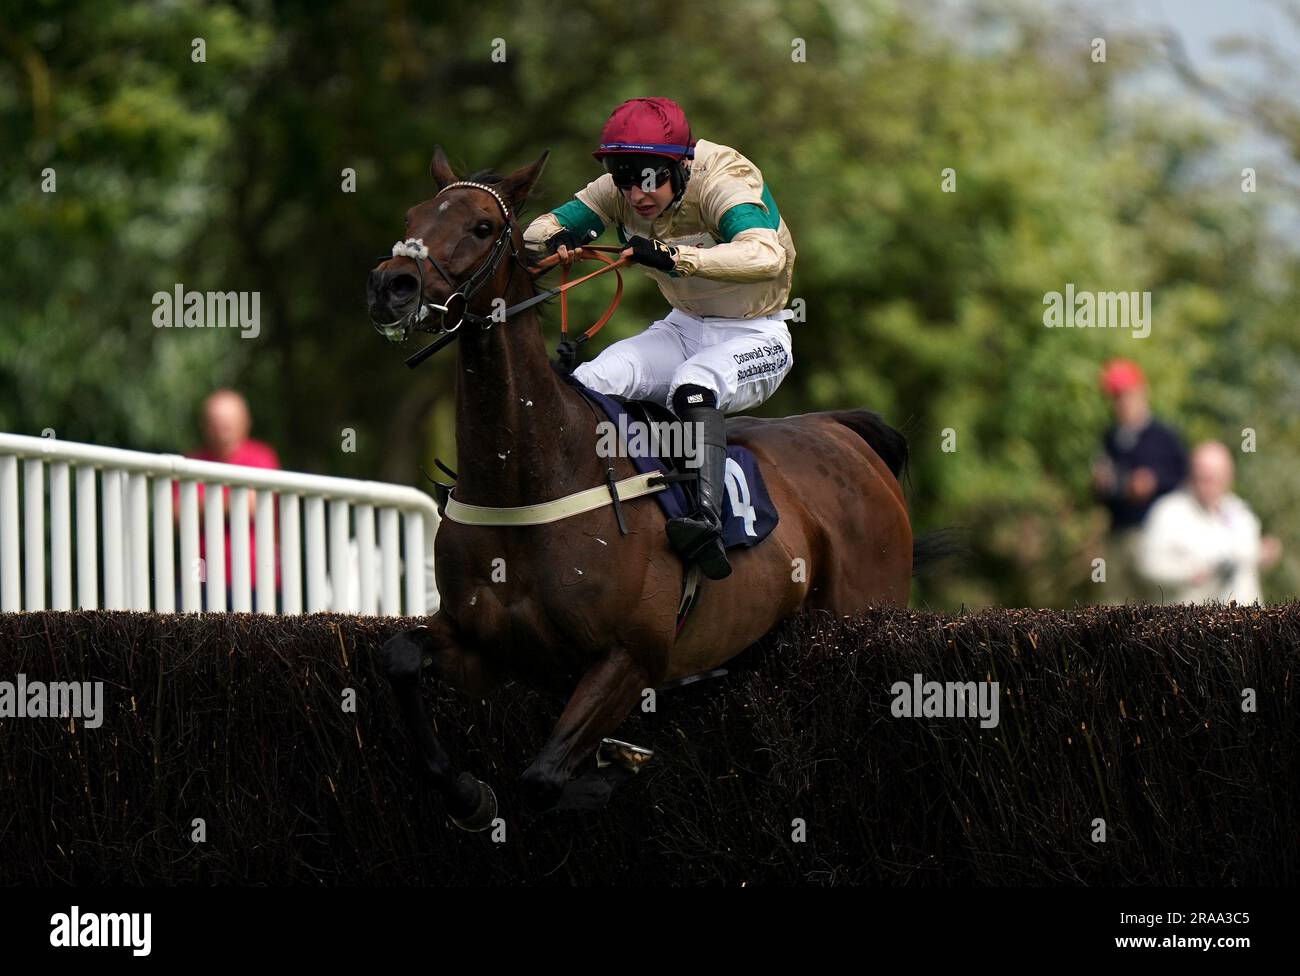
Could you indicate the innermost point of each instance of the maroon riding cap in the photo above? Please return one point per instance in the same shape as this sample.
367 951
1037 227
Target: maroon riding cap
655 126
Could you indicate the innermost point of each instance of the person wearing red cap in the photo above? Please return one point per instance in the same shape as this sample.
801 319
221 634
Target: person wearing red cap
1143 459
701 221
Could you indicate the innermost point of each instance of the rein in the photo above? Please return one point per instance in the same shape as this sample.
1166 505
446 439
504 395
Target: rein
457 303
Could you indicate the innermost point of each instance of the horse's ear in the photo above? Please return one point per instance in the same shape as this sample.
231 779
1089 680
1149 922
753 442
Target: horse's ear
441 170
516 187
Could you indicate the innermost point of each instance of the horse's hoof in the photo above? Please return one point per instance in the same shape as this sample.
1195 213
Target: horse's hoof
484 813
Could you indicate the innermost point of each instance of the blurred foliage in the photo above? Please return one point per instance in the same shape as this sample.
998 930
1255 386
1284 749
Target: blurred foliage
924 305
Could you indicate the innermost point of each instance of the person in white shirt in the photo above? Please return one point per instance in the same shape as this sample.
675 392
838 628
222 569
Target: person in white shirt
1202 542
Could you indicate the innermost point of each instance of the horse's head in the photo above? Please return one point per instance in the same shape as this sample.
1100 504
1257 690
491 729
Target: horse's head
459 251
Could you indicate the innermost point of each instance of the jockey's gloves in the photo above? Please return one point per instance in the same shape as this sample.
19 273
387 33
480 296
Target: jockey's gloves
653 254
572 239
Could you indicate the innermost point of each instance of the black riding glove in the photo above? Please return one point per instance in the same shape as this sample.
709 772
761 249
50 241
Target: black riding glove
567 355
653 254
572 239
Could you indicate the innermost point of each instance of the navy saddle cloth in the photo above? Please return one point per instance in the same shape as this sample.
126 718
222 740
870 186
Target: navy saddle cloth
748 515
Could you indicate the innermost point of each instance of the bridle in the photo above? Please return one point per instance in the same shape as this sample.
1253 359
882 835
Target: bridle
448 317
456 306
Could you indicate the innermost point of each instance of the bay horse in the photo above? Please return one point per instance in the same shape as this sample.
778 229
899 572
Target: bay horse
574 606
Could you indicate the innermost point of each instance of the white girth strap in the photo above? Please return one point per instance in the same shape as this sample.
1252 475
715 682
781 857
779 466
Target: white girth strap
553 511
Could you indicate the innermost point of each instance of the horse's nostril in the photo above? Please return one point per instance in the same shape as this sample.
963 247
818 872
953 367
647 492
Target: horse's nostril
401 287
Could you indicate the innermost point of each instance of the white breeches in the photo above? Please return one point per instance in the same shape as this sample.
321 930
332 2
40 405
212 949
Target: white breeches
742 361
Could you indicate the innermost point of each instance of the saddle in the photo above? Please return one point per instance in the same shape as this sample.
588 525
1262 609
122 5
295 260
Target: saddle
748 514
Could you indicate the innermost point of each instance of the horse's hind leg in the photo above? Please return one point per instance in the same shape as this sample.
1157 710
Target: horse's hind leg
605 695
470 802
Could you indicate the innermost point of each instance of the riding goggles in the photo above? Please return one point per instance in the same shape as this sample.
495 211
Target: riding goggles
637 170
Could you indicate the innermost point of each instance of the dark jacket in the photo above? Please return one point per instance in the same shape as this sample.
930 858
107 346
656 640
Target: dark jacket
1156 447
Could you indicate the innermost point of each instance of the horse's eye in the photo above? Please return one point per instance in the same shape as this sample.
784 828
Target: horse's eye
483 229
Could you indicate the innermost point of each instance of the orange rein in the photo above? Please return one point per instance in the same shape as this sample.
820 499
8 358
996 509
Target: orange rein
590 252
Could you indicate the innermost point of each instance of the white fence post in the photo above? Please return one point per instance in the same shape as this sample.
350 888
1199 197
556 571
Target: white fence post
413 523
191 576
340 564
60 537
112 527
264 546
214 544
87 540
34 533
391 600
368 591
137 523
10 571
241 566
164 548
290 555
315 515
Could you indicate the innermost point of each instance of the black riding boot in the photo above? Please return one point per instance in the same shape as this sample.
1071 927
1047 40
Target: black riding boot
698 537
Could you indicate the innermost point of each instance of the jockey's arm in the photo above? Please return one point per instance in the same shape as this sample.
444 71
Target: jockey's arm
583 214
754 254
742 217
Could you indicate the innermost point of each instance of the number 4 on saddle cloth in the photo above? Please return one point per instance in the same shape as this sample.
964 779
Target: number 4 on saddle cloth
748 515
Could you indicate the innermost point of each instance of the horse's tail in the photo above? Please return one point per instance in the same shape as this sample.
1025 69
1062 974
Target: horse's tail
933 548
890 444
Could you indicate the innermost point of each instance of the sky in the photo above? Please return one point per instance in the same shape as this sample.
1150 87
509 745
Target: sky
1201 21
1201 24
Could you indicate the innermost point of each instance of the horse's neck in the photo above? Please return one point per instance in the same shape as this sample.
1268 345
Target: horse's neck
522 435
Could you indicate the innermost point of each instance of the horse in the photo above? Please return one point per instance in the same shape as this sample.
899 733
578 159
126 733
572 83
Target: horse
576 607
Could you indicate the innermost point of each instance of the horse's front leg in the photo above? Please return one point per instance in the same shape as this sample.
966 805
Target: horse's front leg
470 802
605 695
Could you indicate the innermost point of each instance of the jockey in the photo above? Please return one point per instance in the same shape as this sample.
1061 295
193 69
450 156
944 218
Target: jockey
700 220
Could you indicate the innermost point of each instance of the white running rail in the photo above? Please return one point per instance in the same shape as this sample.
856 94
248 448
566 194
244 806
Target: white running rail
349 567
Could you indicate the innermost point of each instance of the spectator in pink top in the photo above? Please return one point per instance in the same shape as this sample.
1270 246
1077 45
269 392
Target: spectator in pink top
226 423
